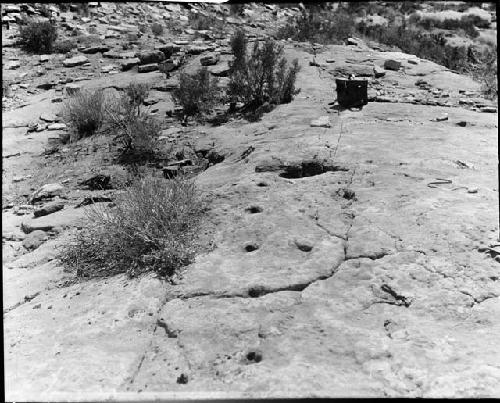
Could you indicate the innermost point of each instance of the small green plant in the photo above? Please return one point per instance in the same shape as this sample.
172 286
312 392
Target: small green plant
84 112
38 37
152 227
263 77
156 29
197 93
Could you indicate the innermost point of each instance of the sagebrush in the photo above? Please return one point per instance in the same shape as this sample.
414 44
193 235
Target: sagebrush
152 227
38 36
84 112
135 129
263 76
198 93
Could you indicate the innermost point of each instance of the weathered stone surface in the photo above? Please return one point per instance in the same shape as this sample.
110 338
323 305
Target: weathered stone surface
323 121
47 191
95 49
210 59
127 64
65 218
48 208
34 239
220 70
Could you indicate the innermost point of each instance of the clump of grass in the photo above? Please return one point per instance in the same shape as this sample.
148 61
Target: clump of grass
197 93
84 112
156 29
261 77
152 227
38 37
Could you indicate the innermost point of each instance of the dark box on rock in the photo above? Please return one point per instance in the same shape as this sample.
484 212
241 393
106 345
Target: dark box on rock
352 93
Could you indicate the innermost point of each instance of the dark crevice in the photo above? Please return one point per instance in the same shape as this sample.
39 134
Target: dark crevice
171 334
399 299
374 256
308 169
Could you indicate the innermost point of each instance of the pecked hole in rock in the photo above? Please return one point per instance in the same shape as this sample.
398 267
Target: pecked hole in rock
262 184
251 247
304 247
254 209
254 356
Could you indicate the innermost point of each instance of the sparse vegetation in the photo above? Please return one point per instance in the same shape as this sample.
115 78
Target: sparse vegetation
151 228
38 37
262 77
84 112
156 29
197 93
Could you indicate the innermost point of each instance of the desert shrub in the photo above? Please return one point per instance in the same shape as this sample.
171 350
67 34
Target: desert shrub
202 22
157 29
151 228
84 112
484 71
137 93
319 25
64 46
38 37
135 130
236 9
198 93
5 88
261 77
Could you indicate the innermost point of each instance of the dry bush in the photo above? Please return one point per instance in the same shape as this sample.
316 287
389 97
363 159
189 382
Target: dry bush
135 129
151 228
156 29
319 25
64 46
38 37
84 112
261 77
197 93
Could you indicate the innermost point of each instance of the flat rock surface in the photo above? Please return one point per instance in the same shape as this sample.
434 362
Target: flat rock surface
358 275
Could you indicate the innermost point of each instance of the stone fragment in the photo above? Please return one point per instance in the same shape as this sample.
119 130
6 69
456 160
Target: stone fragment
323 121
56 126
210 59
391 64
488 109
220 70
378 72
48 117
95 49
155 56
48 190
127 64
146 68
48 208
75 61
34 239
